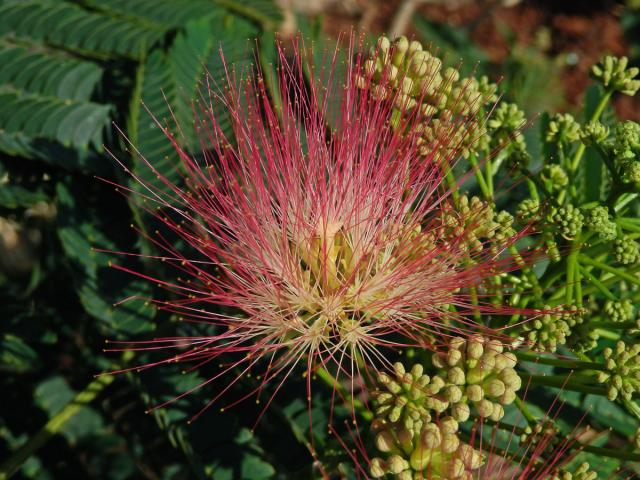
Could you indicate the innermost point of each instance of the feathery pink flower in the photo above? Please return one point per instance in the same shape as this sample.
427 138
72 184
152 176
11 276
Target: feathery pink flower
317 247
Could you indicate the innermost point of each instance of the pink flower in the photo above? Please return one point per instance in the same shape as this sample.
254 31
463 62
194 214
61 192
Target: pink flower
317 247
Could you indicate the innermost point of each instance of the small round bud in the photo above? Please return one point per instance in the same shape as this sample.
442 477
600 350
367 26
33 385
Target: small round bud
378 468
397 464
384 441
494 388
485 408
461 412
456 376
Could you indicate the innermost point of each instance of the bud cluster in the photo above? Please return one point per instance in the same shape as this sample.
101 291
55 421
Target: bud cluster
551 329
562 128
475 221
594 133
626 251
598 220
479 374
619 311
614 75
554 177
407 398
435 452
626 150
568 220
505 126
528 209
415 78
583 472
623 370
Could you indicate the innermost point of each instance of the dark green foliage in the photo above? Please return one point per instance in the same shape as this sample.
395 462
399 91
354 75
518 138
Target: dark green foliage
69 70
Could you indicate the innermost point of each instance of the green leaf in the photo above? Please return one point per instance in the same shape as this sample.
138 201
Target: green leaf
167 85
254 468
67 25
69 122
48 74
15 355
81 230
168 15
53 394
264 12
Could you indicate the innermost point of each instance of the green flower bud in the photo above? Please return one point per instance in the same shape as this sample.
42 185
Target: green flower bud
384 441
378 468
505 126
619 311
484 407
475 393
497 412
562 128
397 464
528 209
495 388
453 394
597 220
568 220
623 370
461 412
614 75
456 376
631 170
555 176
594 132
626 251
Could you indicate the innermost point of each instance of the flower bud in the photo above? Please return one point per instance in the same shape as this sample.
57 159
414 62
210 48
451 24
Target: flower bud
450 443
453 394
397 464
456 468
475 393
485 408
456 376
378 468
384 441
474 350
461 412
494 388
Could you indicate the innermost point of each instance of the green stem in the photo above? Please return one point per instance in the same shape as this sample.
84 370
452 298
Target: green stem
614 325
525 411
53 426
574 383
556 362
332 382
597 283
577 156
486 192
616 271
610 452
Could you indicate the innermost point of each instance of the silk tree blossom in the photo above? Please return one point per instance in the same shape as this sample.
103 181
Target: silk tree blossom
316 246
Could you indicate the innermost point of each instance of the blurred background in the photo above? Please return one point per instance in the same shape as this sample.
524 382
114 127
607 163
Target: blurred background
69 71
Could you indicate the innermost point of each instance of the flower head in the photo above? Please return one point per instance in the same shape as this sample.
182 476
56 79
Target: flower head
318 246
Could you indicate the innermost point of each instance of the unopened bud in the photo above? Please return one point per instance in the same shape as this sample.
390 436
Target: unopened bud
384 441
377 469
397 464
